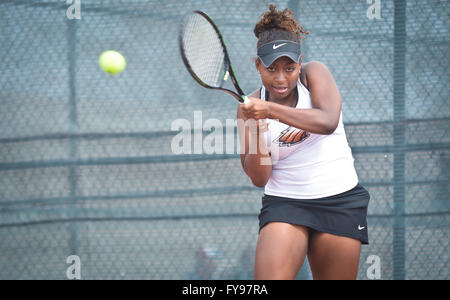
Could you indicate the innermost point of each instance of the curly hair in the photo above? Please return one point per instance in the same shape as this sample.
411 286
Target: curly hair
278 25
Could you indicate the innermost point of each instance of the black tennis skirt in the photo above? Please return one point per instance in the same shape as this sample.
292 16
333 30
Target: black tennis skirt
343 214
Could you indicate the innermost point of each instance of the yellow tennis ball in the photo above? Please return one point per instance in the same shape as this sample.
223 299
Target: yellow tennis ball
112 62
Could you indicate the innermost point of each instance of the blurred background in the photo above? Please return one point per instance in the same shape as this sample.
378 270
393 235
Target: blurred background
86 165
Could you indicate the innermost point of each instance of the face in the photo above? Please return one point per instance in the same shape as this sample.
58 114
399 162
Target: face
280 78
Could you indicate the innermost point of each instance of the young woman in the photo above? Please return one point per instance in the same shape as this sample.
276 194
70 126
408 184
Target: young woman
312 205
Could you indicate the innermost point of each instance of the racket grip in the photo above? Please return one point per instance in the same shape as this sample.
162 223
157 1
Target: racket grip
246 100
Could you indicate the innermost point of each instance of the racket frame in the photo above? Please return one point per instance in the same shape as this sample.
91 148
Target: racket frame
240 95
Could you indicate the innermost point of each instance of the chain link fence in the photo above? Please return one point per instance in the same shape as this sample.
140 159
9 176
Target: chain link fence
86 159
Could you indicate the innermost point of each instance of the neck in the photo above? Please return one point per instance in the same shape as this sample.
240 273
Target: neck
290 100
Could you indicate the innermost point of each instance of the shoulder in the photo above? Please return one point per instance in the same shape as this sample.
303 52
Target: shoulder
314 66
312 71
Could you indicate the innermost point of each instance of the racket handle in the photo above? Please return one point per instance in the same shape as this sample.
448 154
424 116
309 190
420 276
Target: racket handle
246 100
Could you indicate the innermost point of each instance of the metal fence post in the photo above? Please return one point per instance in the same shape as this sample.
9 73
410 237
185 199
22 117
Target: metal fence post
399 138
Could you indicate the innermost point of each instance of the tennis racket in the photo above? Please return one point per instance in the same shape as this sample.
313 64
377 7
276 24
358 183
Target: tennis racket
204 53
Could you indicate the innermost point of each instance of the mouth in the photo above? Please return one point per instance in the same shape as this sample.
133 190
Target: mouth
280 89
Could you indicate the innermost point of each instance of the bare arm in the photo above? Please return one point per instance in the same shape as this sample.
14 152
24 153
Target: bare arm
255 158
326 101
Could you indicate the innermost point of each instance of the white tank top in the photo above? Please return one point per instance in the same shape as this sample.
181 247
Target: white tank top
308 165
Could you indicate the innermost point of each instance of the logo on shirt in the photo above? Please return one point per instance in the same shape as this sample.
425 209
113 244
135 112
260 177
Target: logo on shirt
291 136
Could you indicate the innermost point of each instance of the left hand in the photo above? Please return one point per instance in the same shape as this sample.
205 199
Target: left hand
256 109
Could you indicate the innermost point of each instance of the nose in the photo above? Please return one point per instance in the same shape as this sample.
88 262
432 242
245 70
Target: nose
280 77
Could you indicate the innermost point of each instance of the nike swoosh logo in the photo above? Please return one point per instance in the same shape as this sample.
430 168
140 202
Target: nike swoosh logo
361 228
278 46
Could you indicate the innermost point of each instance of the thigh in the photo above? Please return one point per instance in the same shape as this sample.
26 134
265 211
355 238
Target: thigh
280 251
333 257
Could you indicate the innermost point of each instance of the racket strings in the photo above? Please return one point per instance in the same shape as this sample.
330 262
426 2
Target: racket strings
203 50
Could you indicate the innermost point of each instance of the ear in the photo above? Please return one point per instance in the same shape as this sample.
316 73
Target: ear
257 64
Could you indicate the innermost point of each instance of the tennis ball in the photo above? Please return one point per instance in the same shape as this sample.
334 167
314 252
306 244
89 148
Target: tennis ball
112 62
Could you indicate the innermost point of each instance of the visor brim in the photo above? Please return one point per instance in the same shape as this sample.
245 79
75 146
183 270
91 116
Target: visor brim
269 59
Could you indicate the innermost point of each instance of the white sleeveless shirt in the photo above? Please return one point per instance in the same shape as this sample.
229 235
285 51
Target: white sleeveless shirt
307 165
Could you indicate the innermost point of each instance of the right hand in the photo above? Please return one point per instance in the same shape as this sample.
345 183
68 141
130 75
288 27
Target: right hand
256 108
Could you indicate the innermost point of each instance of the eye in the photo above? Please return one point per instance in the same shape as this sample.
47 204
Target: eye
290 69
270 69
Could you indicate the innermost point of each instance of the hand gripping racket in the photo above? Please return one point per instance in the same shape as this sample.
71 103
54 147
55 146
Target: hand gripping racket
205 55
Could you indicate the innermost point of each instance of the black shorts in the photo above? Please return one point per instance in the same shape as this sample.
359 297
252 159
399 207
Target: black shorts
344 214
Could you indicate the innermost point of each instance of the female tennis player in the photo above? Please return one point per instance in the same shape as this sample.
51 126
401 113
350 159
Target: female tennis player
313 204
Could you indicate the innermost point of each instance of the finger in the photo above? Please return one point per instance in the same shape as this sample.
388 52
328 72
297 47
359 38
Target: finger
246 107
